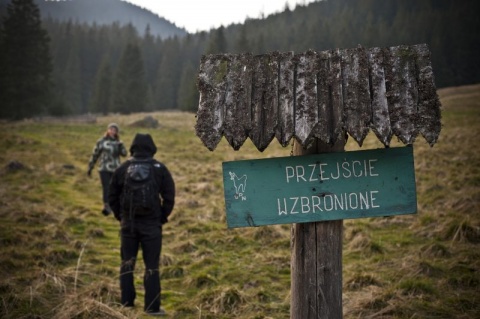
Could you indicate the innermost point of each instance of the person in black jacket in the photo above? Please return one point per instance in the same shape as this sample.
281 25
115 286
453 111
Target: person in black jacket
143 230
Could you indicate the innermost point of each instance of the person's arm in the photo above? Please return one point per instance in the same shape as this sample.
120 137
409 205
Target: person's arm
167 193
122 149
97 150
114 192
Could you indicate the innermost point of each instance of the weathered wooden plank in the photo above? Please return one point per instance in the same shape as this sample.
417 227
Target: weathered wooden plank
237 122
428 121
316 270
303 267
356 93
402 93
316 261
336 96
286 119
380 116
211 85
306 109
264 99
329 237
322 129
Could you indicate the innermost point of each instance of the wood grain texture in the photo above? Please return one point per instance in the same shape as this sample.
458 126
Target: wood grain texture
316 260
318 95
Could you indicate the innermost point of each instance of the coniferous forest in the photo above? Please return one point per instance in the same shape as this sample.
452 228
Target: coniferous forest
83 67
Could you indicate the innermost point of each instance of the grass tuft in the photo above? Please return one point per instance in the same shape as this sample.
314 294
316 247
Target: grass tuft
416 287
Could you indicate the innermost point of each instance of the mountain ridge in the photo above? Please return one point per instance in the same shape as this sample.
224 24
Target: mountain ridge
106 12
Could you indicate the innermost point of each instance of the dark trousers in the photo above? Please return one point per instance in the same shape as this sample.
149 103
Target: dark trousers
105 178
148 236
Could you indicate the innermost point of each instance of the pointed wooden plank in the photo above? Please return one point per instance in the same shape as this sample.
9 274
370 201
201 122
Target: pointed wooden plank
264 99
356 93
286 120
211 85
428 121
306 109
336 96
237 122
380 117
402 93
322 129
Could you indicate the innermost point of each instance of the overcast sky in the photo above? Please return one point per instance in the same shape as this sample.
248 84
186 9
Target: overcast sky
202 15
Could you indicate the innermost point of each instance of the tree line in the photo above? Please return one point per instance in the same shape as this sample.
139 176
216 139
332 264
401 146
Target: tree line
114 68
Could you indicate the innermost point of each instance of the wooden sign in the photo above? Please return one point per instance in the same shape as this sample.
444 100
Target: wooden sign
320 187
318 95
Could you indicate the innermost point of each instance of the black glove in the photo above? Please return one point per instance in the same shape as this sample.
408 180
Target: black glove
163 219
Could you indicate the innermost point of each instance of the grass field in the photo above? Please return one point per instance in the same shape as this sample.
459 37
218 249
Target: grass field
60 257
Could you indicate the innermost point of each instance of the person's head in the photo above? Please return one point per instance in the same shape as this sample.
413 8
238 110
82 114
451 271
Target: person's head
112 131
143 146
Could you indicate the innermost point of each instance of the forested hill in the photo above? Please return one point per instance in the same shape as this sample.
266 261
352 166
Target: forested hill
106 12
114 68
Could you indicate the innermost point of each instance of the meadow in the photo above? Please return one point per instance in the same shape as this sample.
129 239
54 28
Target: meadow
60 256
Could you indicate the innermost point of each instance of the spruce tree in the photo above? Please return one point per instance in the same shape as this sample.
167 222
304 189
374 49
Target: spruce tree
168 75
241 44
102 91
25 67
72 75
187 92
217 42
130 88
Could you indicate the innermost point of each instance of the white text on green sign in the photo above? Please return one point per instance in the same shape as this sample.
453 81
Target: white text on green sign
320 187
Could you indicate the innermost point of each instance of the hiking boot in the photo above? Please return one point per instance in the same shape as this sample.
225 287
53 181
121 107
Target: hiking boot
159 313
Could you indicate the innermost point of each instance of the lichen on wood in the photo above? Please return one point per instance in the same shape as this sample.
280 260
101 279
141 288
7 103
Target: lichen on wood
306 109
264 99
402 93
285 121
357 110
318 95
336 97
211 84
429 116
380 117
237 121
323 128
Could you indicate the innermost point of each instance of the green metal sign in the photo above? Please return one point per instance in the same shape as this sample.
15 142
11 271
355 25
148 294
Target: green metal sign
310 188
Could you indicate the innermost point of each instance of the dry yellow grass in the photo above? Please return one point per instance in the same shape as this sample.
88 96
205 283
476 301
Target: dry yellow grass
59 256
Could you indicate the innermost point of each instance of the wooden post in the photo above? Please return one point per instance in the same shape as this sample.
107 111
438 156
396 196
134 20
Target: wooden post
316 261
318 98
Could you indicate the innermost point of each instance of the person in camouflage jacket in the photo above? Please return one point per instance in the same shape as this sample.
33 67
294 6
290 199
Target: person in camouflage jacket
108 150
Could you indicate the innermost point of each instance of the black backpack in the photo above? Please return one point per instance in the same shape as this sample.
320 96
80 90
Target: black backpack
140 189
